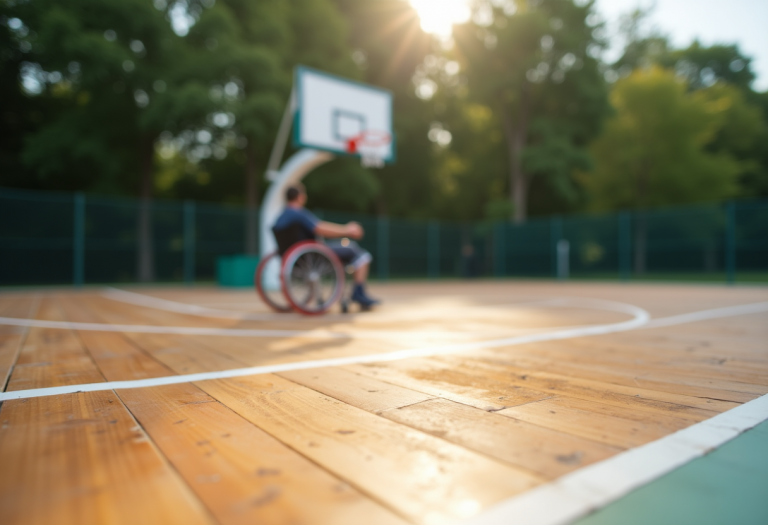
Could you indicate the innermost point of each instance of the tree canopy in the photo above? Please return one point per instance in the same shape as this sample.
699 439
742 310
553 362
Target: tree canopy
654 150
517 114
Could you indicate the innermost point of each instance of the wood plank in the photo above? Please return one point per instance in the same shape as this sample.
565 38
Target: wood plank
478 383
240 472
683 364
477 391
81 459
12 337
419 476
650 378
542 451
597 421
52 357
359 391
117 357
673 350
641 398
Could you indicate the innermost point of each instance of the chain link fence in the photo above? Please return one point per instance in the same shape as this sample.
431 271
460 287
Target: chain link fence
66 238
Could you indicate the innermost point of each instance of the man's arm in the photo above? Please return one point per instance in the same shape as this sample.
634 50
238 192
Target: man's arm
330 229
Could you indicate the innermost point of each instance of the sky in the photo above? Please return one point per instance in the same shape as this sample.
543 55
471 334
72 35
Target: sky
744 22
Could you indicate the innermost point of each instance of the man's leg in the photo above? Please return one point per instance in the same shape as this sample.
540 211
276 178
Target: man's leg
351 253
361 273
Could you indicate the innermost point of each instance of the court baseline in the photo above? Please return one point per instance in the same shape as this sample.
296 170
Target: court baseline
641 318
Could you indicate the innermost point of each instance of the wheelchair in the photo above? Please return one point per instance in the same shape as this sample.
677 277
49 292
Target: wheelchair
303 275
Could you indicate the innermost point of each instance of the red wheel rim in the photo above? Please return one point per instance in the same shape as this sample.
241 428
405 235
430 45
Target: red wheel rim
290 257
257 283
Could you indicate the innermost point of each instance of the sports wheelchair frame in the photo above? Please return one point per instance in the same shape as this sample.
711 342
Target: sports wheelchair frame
311 276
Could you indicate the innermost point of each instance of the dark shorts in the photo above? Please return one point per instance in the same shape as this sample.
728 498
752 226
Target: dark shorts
349 252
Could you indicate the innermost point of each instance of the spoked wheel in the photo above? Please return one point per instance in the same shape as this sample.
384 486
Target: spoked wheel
313 278
267 281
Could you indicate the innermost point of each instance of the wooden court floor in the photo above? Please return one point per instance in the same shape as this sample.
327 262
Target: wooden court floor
475 416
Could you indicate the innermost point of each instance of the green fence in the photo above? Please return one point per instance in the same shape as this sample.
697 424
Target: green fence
65 238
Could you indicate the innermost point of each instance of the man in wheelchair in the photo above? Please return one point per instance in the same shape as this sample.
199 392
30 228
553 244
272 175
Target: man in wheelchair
304 225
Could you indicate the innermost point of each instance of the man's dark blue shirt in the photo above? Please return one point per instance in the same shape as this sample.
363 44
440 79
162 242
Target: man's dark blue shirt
301 216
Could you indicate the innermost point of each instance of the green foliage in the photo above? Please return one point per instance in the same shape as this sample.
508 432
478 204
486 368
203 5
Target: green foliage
744 134
115 73
653 151
112 93
536 69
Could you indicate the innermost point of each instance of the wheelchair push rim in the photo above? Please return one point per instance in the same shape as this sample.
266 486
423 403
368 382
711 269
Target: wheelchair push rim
271 297
312 278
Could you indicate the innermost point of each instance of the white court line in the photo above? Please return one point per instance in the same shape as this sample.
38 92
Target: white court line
640 317
703 315
590 488
229 332
580 493
162 304
148 301
571 496
640 320
157 303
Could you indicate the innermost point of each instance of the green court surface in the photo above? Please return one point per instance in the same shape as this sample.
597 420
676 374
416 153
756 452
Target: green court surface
726 487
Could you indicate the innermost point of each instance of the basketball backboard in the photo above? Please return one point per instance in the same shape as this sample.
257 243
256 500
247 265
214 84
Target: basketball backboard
341 116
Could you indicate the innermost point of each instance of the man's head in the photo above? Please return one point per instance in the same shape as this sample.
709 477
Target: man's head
296 195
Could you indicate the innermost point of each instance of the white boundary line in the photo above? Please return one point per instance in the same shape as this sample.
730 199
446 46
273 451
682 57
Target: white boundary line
146 301
569 497
640 318
149 301
578 494
229 332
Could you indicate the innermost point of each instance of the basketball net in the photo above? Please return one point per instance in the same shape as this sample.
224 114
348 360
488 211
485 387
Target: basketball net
372 146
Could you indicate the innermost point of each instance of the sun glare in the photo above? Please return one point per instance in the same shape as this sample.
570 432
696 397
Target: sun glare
438 16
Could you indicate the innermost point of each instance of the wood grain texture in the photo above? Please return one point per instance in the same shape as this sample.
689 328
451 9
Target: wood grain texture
52 357
240 472
81 459
609 424
12 337
424 440
546 453
359 391
419 476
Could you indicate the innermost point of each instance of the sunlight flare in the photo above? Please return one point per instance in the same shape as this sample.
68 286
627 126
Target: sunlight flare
438 16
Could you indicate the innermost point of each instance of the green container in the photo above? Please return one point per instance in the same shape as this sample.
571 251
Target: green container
236 270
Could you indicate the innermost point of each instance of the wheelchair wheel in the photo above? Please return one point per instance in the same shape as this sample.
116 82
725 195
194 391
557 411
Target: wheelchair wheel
267 282
312 277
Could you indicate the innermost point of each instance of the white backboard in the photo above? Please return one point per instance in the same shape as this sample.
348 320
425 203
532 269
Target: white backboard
331 110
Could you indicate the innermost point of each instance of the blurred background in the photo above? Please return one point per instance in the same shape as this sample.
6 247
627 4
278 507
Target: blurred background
139 130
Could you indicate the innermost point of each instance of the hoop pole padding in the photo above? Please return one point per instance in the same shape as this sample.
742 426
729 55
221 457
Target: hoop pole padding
292 172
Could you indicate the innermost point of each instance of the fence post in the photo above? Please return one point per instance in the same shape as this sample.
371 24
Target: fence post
189 242
433 249
625 245
78 241
563 259
556 233
383 247
730 242
500 250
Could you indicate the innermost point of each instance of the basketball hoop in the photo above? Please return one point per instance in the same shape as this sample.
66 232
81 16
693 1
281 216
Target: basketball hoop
373 147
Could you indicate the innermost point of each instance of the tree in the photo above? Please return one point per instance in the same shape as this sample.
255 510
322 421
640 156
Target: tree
654 149
534 64
124 77
705 68
242 47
